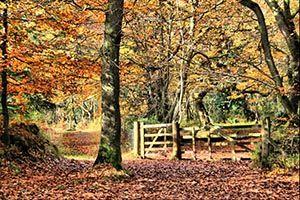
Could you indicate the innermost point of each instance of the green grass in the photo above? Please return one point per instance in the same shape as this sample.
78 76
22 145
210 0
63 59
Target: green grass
235 124
79 157
128 155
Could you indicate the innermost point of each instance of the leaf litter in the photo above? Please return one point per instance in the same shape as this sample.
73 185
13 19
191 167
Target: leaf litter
146 179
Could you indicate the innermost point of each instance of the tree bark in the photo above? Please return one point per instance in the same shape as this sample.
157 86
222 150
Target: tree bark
286 25
110 150
266 126
5 136
290 109
176 154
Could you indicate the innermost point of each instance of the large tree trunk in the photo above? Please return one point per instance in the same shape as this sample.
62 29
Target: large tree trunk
285 101
110 150
5 136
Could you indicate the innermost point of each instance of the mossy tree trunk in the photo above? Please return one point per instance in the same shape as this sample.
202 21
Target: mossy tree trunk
110 150
5 136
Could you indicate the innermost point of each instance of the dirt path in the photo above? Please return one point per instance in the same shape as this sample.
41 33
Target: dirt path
151 179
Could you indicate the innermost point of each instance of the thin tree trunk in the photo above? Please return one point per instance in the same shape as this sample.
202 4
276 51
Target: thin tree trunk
183 76
5 137
110 150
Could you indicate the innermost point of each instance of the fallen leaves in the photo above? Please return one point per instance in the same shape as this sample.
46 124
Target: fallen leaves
58 178
150 179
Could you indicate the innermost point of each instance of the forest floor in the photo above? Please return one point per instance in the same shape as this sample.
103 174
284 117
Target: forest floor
60 178
148 179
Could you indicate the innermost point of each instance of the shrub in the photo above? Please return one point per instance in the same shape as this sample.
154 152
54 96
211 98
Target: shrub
284 150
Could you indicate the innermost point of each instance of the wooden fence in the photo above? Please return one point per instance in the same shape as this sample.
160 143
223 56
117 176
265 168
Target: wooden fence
171 139
234 139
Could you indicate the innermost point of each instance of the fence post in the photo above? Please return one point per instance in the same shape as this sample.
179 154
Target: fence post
176 141
233 150
136 138
142 139
194 143
209 144
266 133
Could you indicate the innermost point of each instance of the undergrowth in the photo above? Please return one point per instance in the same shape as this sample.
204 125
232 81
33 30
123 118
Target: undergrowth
27 146
284 150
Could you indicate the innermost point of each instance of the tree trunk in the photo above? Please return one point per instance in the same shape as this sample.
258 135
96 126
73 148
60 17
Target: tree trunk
202 113
110 150
286 25
185 64
176 154
5 136
290 110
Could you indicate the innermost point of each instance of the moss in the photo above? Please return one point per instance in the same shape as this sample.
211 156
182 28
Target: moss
108 155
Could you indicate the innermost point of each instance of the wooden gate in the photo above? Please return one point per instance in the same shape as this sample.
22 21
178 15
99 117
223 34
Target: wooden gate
156 138
225 142
239 139
168 138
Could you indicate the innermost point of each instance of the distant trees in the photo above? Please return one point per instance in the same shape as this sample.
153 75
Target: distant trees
180 48
49 49
168 41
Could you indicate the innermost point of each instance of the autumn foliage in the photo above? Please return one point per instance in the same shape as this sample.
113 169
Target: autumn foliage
170 52
52 49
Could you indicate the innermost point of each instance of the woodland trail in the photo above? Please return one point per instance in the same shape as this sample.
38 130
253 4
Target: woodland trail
150 179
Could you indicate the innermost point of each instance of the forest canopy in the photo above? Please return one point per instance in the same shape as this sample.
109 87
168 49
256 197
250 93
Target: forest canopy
171 51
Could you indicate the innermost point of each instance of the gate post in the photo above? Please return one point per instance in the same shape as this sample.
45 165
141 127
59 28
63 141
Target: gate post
136 138
266 133
142 139
176 154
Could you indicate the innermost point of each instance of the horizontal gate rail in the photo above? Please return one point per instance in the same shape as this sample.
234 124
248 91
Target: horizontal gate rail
149 126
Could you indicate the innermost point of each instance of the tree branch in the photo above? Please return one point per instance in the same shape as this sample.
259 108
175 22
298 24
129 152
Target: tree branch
268 54
294 14
87 7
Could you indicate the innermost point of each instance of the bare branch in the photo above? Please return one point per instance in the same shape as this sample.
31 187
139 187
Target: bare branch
247 77
86 7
